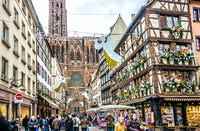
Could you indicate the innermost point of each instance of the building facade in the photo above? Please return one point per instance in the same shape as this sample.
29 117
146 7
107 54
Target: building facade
158 74
18 58
77 56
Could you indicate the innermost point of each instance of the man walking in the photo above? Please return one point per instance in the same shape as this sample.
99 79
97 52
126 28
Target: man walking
55 124
25 122
39 120
50 122
110 122
76 122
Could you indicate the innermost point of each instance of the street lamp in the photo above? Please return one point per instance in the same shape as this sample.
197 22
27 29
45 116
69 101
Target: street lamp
21 86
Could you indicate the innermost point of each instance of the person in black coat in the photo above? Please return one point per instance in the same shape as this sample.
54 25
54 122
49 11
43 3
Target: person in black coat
4 124
134 124
50 121
40 122
68 124
25 122
13 126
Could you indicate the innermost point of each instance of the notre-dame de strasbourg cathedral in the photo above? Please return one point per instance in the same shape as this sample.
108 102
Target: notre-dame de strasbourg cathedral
77 56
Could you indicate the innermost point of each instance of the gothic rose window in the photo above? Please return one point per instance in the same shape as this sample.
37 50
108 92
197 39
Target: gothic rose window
76 80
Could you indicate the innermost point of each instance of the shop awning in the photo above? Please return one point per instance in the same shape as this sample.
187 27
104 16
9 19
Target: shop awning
50 102
182 99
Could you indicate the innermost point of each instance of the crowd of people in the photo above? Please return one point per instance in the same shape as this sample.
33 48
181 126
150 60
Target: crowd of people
68 123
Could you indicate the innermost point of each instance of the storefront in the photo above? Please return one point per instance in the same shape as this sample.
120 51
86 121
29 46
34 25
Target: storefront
4 108
25 110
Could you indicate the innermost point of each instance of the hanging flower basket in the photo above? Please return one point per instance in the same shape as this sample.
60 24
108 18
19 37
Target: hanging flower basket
176 31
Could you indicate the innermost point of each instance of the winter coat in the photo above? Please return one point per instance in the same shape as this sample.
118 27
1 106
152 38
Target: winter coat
62 125
68 125
164 120
110 120
55 124
39 122
120 127
51 120
25 122
84 123
31 125
76 121
133 125
45 125
71 123
4 124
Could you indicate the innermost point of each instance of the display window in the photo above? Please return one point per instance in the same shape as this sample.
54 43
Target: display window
179 116
193 115
148 117
4 110
168 110
24 111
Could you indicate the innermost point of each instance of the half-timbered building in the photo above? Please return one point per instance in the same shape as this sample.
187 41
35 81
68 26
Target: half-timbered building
158 73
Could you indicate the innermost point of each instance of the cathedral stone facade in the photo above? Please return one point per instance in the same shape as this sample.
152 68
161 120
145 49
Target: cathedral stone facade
77 56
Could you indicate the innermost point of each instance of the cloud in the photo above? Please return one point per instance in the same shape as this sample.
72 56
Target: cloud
81 16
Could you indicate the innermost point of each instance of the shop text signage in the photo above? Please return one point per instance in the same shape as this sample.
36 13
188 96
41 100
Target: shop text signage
18 98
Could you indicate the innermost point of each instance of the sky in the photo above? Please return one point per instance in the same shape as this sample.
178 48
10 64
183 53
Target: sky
87 17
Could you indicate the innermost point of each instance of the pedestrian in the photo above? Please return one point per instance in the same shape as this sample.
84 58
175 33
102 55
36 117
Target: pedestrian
4 124
76 122
39 120
25 122
164 121
33 124
62 124
68 124
45 124
71 121
50 122
13 126
120 125
18 122
110 122
94 121
55 124
133 124
84 124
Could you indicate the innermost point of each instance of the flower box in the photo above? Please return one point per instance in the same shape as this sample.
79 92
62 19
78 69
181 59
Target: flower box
164 61
171 62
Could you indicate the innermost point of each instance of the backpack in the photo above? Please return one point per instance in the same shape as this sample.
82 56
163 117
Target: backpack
74 121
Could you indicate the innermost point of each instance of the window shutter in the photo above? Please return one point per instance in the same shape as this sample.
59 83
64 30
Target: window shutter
198 43
173 47
163 22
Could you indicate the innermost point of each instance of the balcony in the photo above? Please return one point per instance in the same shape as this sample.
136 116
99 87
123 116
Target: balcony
16 53
6 43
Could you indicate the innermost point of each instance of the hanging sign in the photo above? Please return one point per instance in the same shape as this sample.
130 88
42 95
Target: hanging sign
18 98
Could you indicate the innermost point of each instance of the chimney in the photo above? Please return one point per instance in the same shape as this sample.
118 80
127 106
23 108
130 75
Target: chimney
133 17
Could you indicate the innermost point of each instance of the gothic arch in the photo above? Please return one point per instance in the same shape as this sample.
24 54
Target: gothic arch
62 55
92 54
72 55
78 56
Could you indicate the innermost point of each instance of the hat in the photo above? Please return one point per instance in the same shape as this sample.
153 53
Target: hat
32 117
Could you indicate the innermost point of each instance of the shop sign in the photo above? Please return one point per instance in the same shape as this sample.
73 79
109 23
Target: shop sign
2 95
18 98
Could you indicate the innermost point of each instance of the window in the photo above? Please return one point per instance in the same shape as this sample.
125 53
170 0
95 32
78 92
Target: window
23 53
5 33
196 14
23 28
72 55
57 28
33 87
33 64
4 74
23 79
29 59
29 37
198 43
29 19
57 5
61 5
33 45
52 4
172 21
16 15
15 73
78 56
34 29
15 44
23 7
165 47
5 2
29 85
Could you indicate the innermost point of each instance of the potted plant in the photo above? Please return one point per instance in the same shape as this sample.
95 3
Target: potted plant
164 55
176 31
133 67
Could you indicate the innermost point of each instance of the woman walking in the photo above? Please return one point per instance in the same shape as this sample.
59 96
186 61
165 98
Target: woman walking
84 124
62 124
120 125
